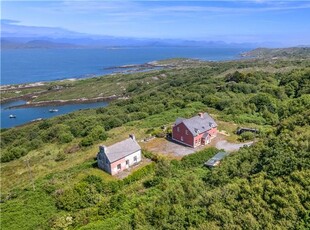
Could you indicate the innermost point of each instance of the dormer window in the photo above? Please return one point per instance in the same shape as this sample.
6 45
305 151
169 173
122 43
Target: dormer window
197 131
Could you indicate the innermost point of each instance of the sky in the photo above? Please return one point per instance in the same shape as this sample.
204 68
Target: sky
286 22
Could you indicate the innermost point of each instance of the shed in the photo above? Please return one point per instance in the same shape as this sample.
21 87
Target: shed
216 159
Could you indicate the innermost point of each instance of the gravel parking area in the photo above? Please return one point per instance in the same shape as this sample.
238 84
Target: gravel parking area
231 147
163 146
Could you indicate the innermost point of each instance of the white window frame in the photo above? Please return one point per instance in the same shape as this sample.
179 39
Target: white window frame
178 129
119 167
182 138
186 132
135 158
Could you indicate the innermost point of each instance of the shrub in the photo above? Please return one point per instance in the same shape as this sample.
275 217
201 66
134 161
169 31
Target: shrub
140 173
152 182
87 141
96 181
149 155
98 133
198 158
65 137
82 195
13 153
138 116
158 133
60 156
245 136
112 122
34 144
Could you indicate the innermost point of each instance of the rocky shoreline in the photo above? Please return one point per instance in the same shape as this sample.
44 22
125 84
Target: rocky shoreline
135 68
67 102
43 86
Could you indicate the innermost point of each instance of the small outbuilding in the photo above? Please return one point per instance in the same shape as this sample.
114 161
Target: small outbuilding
120 156
216 159
242 130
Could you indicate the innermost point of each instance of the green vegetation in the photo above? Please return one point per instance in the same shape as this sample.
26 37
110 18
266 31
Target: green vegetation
294 52
265 186
245 136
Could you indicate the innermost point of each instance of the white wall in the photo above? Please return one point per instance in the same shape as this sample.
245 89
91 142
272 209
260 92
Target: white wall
101 160
131 157
114 170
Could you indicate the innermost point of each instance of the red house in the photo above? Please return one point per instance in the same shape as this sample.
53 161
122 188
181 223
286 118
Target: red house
195 131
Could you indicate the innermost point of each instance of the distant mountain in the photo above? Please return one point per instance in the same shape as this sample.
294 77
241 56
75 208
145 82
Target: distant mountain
34 44
15 36
109 41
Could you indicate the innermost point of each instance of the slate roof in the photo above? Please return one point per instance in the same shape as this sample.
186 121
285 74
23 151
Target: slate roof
198 124
179 120
216 158
121 149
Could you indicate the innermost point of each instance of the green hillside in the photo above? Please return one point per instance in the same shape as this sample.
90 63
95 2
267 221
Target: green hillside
49 178
286 53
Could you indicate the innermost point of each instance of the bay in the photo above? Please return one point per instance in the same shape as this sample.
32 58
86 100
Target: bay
20 66
35 65
25 115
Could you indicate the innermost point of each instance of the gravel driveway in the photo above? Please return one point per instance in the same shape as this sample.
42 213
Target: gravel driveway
231 147
163 146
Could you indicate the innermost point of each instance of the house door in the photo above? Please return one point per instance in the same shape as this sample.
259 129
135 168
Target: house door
203 141
127 164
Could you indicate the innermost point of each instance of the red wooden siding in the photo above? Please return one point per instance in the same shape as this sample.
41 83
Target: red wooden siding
189 139
178 135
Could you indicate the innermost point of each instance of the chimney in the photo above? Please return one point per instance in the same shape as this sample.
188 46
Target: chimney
200 115
132 136
103 149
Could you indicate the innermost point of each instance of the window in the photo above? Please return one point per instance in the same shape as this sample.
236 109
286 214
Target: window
135 159
178 129
181 138
119 167
127 162
186 132
197 141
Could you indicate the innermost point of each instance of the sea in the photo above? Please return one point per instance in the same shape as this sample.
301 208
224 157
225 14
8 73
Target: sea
19 66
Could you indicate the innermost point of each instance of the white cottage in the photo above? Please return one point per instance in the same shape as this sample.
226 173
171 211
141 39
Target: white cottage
120 156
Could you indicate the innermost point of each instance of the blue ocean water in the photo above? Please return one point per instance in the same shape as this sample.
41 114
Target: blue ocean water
34 65
25 115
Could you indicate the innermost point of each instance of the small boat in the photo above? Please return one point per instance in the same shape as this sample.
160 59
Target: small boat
12 116
53 110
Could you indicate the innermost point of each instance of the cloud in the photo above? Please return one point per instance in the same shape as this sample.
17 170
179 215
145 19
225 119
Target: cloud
276 6
144 9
